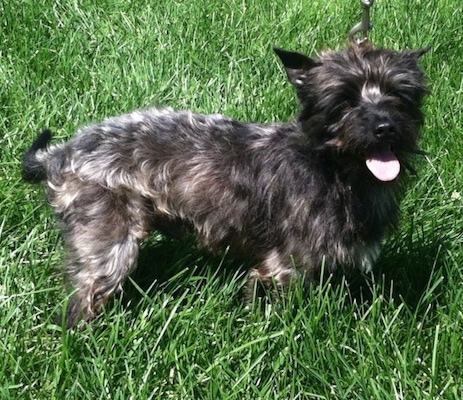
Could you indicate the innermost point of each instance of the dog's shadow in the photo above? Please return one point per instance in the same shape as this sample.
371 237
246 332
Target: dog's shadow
412 276
166 263
407 275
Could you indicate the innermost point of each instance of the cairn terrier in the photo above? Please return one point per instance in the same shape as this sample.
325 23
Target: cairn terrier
323 189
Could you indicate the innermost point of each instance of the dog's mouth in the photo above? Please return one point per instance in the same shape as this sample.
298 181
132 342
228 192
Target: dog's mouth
383 164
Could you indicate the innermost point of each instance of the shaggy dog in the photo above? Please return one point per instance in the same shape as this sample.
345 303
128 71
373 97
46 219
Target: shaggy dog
320 190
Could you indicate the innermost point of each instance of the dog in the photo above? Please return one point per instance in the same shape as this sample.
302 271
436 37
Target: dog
322 190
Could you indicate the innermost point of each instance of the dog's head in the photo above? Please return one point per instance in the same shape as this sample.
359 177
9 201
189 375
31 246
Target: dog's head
363 104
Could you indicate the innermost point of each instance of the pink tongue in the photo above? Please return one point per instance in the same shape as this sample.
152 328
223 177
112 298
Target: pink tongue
383 165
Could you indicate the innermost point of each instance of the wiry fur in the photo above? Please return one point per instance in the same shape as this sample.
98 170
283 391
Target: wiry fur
292 196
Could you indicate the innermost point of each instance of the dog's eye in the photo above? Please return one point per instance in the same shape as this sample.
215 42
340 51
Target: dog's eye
341 109
395 98
347 108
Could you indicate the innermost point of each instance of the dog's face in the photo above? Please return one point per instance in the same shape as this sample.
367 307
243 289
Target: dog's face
364 104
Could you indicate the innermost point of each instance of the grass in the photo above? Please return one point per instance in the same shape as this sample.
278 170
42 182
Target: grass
181 332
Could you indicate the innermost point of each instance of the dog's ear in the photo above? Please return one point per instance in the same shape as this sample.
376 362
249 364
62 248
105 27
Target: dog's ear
296 65
415 54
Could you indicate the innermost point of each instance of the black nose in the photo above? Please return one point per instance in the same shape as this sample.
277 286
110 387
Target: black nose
385 129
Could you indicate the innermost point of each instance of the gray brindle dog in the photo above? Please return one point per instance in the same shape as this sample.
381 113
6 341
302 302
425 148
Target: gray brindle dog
320 190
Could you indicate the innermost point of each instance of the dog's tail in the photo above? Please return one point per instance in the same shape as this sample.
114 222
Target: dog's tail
34 169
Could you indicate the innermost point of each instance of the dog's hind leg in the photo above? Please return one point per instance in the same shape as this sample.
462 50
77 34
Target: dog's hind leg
275 269
102 229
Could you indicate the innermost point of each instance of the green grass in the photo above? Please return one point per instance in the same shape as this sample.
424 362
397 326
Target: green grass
182 332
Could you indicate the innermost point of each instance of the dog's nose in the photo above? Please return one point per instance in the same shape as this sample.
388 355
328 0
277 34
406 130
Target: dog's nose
385 129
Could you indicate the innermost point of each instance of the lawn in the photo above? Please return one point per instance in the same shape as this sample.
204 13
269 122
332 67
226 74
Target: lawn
181 331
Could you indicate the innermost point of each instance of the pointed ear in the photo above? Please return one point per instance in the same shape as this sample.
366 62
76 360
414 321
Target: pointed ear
415 54
296 65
